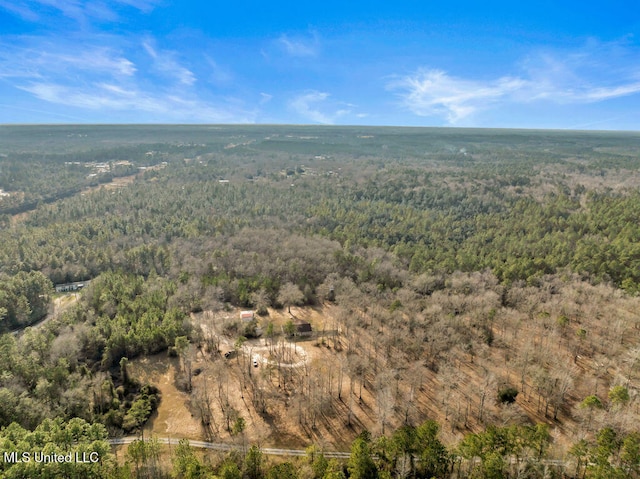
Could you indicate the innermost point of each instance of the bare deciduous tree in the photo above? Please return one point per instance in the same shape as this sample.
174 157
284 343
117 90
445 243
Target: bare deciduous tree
290 295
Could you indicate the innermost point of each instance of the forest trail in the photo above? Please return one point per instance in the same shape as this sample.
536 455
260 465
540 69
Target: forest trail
217 446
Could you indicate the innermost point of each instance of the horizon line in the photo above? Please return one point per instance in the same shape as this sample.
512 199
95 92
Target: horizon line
321 126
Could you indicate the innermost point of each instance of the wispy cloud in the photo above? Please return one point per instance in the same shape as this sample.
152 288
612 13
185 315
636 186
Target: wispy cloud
81 11
265 98
21 9
599 94
100 59
43 113
33 59
109 97
150 85
576 78
298 46
306 106
167 64
144 6
313 106
218 74
435 93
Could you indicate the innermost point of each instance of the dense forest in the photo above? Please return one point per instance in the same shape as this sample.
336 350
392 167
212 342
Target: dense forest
473 295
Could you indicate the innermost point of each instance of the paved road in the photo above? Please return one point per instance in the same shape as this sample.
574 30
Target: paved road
230 447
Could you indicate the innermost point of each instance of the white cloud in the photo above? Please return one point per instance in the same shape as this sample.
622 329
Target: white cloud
96 96
313 106
599 94
78 10
303 106
299 46
144 6
95 60
219 74
265 98
96 78
578 77
166 63
35 60
167 107
435 93
20 9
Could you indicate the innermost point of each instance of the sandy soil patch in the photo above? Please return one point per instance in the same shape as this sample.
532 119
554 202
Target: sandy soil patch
173 418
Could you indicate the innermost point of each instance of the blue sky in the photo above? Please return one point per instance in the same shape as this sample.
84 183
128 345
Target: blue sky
415 63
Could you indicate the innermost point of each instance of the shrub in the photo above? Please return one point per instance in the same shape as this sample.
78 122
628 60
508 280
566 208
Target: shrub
507 395
591 402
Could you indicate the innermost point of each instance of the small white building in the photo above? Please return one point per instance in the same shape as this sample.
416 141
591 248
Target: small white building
66 287
246 316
